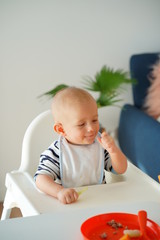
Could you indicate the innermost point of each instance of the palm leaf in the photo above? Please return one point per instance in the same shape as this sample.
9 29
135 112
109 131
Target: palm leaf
53 91
108 83
107 80
107 100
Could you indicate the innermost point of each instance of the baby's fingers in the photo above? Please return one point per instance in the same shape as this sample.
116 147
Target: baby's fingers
106 141
67 196
72 196
105 137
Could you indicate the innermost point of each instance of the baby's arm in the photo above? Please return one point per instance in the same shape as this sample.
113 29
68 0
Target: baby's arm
119 160
47 185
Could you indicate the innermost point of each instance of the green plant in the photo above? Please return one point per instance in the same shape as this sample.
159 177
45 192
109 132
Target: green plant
107 82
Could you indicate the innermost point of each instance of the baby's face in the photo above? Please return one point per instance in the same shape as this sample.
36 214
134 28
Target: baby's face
81 124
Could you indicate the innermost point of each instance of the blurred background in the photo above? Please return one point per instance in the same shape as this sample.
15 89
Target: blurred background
47 42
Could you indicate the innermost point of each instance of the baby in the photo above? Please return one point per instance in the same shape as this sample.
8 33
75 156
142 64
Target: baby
81 153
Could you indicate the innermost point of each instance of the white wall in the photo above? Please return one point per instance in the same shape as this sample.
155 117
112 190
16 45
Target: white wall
46 42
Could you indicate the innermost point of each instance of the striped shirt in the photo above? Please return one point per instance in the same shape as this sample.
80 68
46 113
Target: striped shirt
49 163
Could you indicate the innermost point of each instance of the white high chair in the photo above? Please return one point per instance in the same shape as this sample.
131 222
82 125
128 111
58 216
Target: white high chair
21 191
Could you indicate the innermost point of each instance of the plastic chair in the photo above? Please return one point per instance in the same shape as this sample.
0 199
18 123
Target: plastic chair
21 190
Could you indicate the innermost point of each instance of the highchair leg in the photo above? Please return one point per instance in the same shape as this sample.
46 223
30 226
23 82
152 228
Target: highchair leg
7 205
6 213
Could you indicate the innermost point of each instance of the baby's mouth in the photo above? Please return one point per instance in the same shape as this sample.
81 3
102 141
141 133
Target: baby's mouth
92 136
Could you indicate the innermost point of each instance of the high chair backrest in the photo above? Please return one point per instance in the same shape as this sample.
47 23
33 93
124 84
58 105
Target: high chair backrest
38 136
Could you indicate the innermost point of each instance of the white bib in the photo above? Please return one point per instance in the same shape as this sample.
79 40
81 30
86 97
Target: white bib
81 164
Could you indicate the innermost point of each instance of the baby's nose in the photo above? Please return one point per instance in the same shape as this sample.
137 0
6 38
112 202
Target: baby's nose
89 128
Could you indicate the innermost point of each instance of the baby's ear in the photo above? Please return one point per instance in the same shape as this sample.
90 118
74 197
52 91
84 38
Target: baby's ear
58 128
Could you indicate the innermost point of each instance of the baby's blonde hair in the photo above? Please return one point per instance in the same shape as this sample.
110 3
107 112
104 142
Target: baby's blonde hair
67 98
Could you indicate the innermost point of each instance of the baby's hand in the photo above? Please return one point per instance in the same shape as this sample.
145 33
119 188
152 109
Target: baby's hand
67 195
107 142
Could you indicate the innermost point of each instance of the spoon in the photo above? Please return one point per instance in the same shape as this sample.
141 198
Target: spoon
142 218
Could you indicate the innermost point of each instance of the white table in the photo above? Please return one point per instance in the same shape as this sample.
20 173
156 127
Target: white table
130 193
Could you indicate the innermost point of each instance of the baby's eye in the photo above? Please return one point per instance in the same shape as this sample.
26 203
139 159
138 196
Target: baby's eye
81 124
95 120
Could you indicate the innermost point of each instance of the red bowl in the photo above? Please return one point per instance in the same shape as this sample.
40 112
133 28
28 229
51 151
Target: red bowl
96 227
